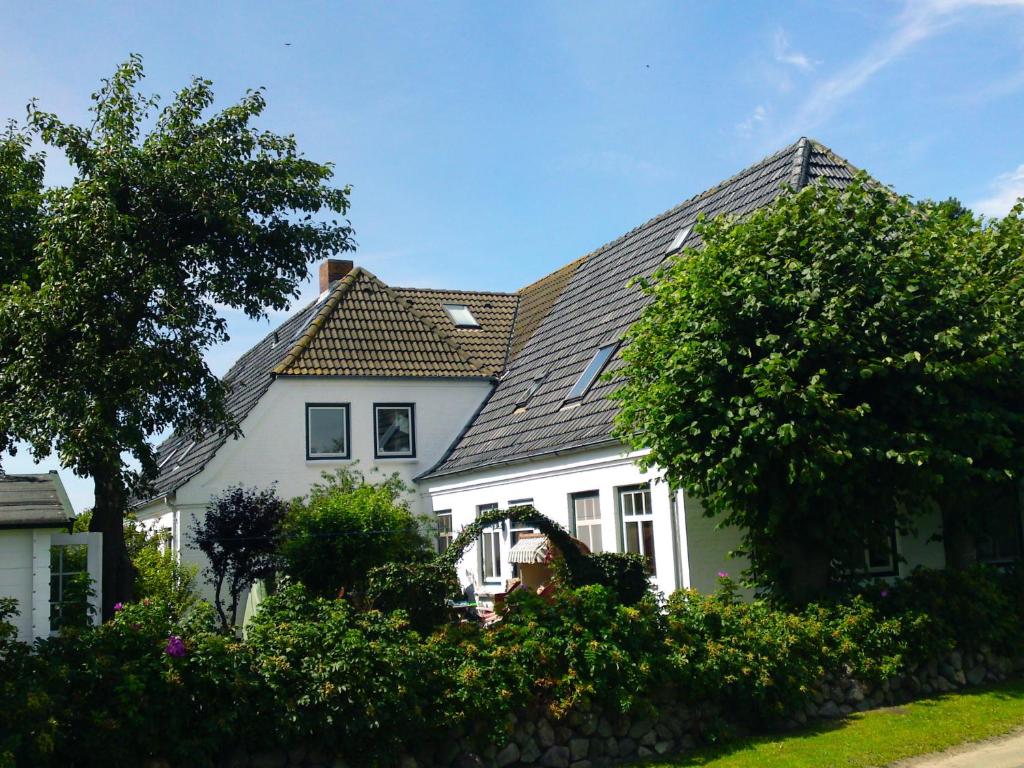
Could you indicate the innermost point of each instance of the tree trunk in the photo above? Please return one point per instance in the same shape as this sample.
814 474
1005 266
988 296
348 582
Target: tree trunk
958 540
108 519
218 603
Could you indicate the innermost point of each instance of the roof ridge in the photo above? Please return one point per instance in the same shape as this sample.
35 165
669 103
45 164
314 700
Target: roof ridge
449 290
249 353
507 358
750 169
801 163
313 326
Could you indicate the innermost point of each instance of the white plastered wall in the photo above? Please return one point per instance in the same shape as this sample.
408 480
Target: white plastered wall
550 483
273 448
704 548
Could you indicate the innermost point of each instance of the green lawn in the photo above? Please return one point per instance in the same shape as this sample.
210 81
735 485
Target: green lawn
875 738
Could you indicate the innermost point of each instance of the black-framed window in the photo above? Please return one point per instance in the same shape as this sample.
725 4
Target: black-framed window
328 431
1000 538
445 532
638 522
394 430
586 519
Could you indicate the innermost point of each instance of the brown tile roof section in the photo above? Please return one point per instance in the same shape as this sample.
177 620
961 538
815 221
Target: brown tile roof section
367 328
496 312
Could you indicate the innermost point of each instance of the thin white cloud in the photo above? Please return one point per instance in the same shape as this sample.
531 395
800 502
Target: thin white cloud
1006 190
784 54
614 163
919 20
746 129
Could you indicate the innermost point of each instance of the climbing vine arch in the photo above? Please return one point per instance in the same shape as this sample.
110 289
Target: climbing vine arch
561 539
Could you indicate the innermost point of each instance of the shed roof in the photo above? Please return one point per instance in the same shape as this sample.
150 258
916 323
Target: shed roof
33 501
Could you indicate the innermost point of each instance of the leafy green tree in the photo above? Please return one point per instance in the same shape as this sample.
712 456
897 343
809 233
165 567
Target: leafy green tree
173 213
829 364
160 575
21 192
348 525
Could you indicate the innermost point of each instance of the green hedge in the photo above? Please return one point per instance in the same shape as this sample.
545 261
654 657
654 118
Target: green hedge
322 673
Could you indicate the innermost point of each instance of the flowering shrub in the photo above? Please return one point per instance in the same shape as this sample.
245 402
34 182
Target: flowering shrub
757 661
966 608
584 645
339 676
366 684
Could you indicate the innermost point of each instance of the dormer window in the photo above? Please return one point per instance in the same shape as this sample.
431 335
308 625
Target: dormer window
591 372
461 316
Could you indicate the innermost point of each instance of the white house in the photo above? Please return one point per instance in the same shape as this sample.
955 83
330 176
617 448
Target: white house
40 558
370 376
544 434
492 399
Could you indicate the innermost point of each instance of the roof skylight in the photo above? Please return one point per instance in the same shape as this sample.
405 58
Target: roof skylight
461 316
678 240
591 372
531 389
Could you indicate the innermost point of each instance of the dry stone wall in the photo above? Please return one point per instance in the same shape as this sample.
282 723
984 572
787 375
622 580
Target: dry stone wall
592 738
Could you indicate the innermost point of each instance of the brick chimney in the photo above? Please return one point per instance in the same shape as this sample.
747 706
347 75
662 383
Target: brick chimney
333 270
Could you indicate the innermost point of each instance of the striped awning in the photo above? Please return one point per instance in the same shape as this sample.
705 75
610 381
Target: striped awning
532 549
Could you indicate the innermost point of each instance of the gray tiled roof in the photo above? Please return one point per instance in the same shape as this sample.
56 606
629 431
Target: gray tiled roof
33 501
595 307
180 457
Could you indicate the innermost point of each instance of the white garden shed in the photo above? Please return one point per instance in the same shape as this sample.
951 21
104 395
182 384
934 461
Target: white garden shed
40 559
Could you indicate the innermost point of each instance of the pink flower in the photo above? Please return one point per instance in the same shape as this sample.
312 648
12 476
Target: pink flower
118 607
146 601
884 593
723 575
175 647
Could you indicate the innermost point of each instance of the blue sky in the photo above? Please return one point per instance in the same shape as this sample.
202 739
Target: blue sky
488 144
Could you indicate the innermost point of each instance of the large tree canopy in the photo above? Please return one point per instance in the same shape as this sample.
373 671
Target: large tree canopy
829 364
114 296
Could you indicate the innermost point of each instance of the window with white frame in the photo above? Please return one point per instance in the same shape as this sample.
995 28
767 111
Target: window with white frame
880 558
638 522
461 315
327 431
586 519
490 549
516 530
70 585
1000 537
394 426
445 532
